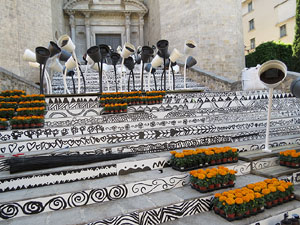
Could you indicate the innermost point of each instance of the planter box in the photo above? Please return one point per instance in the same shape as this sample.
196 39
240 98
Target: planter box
211 189
184 169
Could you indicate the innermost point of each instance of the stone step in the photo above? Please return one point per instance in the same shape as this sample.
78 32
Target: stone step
276 171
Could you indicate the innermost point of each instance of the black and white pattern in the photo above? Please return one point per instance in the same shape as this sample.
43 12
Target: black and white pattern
88 197
264 163
61 103
47 179
176 211
142 165
132 219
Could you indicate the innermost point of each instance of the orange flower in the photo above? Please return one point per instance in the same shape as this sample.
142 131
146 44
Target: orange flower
230 201
201 176
266 191
239 201
217 195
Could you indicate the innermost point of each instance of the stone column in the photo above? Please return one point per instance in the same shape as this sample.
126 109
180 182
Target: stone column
141 29
87 29
127 26
72 25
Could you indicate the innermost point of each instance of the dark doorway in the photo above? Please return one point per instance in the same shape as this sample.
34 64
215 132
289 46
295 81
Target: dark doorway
113 40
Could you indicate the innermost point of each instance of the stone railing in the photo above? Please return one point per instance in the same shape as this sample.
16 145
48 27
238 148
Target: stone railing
10 81
218 83
210 80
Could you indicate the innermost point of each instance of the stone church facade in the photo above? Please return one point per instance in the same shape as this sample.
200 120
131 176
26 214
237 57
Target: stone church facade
215 25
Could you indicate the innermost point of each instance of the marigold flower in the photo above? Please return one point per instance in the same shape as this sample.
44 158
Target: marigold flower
230 201
239 201
266 191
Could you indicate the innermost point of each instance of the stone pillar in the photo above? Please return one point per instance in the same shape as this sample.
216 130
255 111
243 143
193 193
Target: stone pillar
72 25
141 29
127 26
87 29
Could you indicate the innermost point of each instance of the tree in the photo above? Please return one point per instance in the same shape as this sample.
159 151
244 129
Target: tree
296 44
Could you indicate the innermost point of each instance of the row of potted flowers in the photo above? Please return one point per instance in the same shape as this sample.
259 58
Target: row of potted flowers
7 112
115 108
31 111
244 202
120 94
3 124
12 93
17 98
131 94
212 179
36 103
290 158
194 159
20 122
134 100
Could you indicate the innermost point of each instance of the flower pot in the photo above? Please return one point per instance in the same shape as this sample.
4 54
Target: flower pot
14 126
39 125
219 161
212 162
229 159
269 204
216 209
293 164
230 216
280 200
211 186
275 202
20 126
235 159
224 160
254 211
26 125
247 213
217 185
1 127
230 182
288 163
202 188
222 212
282 163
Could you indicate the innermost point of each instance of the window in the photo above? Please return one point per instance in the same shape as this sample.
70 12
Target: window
250 8
282 30
251 24
252 43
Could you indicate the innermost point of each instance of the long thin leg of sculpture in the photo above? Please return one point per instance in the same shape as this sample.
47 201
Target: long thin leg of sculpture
83 78
115 70
173 77
78 72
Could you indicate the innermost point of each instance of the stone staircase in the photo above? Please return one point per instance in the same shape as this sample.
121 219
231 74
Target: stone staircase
92 81
142 189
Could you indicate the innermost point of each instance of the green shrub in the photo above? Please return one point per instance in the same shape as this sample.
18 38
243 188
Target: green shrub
273 50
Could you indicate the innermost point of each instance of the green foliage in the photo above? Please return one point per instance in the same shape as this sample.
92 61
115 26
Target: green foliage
296 44
273 50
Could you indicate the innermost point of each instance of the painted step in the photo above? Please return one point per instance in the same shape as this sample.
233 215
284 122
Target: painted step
143 205
146 137
142 162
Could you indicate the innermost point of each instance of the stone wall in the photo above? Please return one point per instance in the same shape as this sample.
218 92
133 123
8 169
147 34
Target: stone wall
10 81
152 23
26 24
215 25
